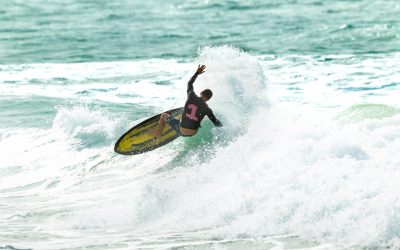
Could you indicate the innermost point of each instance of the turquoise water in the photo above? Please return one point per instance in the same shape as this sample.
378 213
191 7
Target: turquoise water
307 92
80 31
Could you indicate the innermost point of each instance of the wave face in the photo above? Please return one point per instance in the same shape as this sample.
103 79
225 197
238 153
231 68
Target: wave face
307 157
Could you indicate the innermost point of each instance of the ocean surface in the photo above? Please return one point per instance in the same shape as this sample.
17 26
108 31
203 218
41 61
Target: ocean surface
308 92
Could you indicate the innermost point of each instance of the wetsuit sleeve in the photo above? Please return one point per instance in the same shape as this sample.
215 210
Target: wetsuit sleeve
190 84
212 117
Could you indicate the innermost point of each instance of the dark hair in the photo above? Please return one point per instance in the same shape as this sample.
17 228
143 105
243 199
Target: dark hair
207 93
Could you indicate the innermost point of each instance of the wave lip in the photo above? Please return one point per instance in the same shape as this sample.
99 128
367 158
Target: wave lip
361 112
236 78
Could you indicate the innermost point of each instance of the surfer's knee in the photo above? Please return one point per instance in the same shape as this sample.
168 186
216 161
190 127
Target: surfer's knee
164 116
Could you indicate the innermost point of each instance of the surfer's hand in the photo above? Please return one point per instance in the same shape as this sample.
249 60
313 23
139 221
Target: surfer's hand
200 69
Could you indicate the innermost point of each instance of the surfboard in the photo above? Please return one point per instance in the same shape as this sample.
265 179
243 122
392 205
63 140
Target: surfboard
137 140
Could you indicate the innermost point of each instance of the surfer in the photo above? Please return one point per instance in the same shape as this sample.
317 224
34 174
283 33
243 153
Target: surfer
193 112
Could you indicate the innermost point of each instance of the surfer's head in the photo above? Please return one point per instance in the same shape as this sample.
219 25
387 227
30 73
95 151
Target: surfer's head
206 94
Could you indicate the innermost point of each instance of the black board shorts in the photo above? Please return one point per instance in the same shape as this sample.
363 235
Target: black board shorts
174 124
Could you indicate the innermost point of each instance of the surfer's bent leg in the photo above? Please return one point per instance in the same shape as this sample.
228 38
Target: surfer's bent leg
174 124
161 125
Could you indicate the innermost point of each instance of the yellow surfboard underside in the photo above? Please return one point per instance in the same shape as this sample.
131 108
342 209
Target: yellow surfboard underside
138 140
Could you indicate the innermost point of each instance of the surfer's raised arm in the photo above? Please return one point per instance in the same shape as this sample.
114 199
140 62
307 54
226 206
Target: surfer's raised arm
200 70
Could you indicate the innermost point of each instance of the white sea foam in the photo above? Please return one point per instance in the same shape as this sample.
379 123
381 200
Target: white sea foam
289 176
116 82
302 164
236 78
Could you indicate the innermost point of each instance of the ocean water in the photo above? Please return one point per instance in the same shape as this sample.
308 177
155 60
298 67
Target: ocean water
308 92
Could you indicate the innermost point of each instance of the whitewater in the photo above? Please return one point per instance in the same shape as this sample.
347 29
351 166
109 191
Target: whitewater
307 158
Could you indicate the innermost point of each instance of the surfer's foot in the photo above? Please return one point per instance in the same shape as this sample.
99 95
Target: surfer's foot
154 132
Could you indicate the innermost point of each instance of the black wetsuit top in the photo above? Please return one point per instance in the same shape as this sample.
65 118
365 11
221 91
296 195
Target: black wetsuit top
195 109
